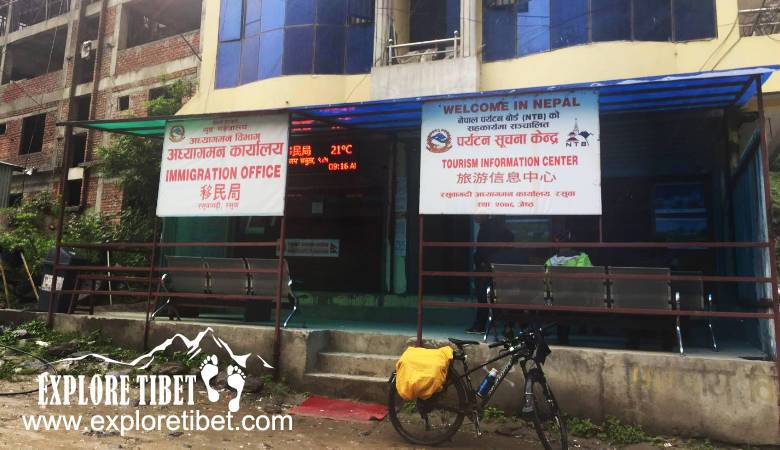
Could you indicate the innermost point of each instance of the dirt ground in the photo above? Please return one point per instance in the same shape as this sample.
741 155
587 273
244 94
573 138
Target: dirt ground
307 433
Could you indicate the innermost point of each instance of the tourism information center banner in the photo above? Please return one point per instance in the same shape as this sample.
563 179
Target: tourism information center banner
522 154
235 166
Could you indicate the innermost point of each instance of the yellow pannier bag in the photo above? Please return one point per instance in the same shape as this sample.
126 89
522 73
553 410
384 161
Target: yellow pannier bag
421 372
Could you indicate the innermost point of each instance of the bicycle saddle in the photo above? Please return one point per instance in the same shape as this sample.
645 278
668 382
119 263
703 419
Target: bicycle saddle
461 342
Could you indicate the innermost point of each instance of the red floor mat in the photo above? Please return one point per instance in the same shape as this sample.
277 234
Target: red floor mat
331 408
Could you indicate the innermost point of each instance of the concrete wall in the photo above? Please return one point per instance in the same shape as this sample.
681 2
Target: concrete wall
446 76
722 399
729 400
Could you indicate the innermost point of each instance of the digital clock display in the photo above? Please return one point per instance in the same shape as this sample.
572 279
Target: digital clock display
323 157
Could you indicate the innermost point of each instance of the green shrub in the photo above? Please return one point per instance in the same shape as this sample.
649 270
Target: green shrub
582 427
623 434
493 413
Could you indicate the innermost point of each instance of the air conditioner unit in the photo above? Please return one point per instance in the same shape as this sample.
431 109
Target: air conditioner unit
87 47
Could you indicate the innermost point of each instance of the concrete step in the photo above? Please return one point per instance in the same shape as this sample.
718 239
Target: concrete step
364 364
375 344
348 386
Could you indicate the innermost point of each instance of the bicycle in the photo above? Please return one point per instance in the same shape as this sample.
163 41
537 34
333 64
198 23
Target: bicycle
437 419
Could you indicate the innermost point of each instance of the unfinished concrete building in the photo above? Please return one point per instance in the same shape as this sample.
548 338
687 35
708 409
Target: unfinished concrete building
84 59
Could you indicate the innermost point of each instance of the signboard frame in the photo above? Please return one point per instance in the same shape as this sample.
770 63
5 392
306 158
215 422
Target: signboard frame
208 162
515 154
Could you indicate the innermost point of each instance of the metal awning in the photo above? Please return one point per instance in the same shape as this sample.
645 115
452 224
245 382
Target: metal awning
12 167
701 90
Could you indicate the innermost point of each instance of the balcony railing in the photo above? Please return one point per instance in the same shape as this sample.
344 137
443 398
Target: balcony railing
424 51
760 21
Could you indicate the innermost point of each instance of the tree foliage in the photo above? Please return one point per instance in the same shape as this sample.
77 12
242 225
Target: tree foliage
134 161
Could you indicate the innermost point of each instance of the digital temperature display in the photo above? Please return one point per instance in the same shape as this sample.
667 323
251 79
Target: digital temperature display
326 157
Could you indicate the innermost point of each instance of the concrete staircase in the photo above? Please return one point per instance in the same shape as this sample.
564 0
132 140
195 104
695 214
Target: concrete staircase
355 365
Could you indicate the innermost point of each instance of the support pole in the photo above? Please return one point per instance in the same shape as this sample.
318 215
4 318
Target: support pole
278 313
108 263
96 72
5 286
66 157
420 252
29 275
152 270
601 228
769 232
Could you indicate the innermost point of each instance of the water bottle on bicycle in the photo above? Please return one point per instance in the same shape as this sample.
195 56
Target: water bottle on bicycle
436 419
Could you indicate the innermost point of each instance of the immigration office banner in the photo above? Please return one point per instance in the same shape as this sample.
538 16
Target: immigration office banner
234 166
514 155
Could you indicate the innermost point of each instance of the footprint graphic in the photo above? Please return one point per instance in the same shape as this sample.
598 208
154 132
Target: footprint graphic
208 370
236 380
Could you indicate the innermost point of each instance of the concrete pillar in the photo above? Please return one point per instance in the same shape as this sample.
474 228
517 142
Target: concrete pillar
401 20
382 26
4 39
469 18
120 35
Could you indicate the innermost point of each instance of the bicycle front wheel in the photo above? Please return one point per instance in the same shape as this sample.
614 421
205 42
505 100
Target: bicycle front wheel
431 421
547 418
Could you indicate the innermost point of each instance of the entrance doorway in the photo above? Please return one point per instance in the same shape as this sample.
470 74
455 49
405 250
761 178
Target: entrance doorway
338 192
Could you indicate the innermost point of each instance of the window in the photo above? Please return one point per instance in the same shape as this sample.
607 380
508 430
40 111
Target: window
653 20
123 103
81 107
680 212
515 28
15 199
79 149
260 39
3 16
31 12
36 55
147 21
694 19
433 19
2 128
610 20
32 134
158 92
74 193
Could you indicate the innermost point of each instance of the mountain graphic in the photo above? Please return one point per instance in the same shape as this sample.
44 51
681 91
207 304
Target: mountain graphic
439 137
193 350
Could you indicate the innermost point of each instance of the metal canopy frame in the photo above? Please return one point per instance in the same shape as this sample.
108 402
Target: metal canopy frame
691 91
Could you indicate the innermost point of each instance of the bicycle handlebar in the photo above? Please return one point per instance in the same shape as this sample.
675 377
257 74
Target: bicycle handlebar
517 339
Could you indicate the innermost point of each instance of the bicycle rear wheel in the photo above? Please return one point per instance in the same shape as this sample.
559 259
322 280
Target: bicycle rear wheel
547 418
431 421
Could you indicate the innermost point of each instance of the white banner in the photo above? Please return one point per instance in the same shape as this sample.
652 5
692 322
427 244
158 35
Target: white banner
514 155
235 166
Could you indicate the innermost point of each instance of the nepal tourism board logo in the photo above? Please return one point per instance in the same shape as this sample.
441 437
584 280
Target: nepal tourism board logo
176 133
439 141
578 138
150 385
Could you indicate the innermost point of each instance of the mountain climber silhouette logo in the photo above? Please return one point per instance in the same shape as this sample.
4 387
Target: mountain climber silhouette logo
209 368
